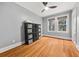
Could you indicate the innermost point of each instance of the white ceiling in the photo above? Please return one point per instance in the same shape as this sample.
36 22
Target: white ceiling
36 7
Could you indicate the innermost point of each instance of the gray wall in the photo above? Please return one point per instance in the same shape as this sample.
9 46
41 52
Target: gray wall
11 18
58 34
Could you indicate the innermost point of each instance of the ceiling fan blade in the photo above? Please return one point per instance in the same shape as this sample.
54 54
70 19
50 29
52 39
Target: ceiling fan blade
45 3
43 10
52 6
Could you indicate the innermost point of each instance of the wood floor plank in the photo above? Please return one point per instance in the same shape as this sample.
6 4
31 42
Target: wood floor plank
44 47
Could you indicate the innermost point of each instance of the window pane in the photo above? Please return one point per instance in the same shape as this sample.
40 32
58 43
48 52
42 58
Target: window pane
51 24
62 20
51 27
62 23
62 27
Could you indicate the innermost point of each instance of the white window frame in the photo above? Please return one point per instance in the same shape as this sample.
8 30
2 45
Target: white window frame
67 23
56 24
48 24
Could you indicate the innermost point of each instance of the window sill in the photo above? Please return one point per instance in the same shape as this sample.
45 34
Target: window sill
59 31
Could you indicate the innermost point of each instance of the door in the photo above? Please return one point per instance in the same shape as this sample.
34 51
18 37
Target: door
74 26
78 26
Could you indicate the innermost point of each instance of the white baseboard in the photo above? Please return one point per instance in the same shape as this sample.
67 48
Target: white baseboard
58 37
77 46
10 47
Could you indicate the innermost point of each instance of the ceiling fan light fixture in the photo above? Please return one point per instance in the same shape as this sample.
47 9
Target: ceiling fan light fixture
46 8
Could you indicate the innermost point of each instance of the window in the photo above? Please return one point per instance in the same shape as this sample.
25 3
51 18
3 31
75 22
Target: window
59 24
62 23
51 24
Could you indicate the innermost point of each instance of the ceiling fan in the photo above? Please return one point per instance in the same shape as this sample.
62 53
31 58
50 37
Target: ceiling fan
47 7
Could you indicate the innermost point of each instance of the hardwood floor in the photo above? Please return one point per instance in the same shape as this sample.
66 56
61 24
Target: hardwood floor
44 47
